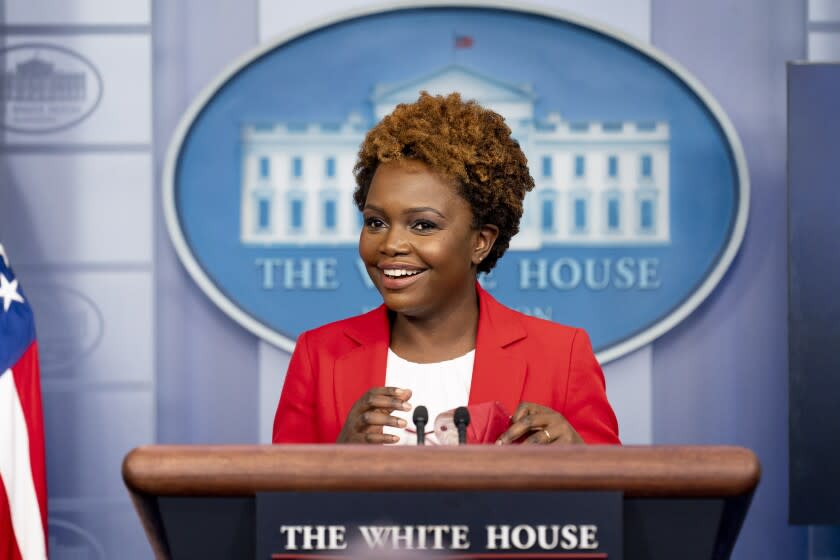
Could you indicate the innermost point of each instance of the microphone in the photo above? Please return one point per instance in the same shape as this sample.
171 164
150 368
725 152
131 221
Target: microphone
462 420
421 416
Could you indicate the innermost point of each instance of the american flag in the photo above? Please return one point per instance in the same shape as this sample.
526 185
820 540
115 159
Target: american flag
23 487
463 41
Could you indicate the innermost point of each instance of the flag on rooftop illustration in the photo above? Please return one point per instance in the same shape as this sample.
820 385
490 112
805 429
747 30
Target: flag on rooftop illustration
463 41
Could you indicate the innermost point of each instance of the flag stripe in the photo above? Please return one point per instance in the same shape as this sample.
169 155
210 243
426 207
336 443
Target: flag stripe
16 472
8 544
28 383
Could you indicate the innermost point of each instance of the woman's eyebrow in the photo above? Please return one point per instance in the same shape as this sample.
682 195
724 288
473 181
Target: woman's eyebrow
417 209
412 210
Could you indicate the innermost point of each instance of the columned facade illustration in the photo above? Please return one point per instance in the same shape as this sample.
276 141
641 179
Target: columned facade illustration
597 183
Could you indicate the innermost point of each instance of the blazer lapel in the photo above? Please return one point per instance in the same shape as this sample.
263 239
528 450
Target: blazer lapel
364 366
498 371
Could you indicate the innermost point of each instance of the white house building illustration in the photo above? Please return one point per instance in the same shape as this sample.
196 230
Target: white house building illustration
597 183
38 80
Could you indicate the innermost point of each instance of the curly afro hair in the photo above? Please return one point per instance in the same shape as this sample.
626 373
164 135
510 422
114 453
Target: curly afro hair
462 141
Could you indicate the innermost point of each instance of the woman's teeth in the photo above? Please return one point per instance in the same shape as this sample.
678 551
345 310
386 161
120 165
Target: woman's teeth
396 273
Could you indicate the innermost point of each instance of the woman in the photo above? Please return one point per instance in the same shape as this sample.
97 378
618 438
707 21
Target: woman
441 185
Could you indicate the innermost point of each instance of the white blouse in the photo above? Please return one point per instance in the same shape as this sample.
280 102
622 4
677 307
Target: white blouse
439 387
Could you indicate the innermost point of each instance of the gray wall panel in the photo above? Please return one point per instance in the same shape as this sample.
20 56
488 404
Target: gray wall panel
93 326
91 431
100 531
207 383
85 12
89 208
722 375
76 217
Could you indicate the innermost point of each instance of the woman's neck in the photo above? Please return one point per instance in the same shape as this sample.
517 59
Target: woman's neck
443 336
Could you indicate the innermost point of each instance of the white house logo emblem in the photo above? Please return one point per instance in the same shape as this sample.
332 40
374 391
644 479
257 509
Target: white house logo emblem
68 540
71 326
47 88
641 189
596 182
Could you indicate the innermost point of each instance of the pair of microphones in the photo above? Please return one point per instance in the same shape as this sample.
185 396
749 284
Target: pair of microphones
421 418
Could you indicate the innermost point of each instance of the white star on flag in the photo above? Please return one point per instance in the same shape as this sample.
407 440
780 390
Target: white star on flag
8 291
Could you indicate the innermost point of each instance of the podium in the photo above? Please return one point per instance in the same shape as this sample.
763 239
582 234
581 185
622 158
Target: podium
686 502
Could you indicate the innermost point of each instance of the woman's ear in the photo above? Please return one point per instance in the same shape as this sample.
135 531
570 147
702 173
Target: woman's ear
484 240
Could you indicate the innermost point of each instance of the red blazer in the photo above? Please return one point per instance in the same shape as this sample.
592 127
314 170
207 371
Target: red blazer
517 358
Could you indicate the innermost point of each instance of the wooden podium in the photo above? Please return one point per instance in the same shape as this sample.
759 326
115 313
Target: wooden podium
679 502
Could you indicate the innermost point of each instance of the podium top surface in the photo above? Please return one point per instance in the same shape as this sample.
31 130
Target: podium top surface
638 471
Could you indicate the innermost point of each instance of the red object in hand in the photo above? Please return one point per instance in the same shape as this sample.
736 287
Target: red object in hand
488 421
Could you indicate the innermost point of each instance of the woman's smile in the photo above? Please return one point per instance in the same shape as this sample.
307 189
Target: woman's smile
397 276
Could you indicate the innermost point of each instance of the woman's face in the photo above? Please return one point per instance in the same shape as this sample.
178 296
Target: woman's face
418 242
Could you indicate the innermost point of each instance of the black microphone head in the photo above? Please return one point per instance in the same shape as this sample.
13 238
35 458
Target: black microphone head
462 416
421 415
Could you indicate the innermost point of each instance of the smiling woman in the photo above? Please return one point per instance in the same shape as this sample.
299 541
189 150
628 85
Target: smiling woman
441 185
421 251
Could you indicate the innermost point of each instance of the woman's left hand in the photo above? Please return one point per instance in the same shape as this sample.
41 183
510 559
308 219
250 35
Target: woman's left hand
546 425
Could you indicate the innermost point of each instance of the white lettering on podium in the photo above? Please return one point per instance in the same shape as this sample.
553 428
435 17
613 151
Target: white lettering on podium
570 539
375 536
314 537
443 537
403 537
459 537
291 535
587 537
526 541
544 537
498 537
416 537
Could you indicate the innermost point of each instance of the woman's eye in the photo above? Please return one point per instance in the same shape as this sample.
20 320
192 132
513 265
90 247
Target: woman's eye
424 225
374 222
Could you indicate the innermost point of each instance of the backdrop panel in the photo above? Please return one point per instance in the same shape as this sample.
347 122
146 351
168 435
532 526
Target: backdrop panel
814 275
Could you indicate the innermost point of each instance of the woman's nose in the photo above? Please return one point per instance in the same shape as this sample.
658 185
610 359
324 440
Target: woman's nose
394 242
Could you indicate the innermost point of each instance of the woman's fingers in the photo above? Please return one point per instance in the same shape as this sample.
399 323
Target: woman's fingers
371 412
524 409
557 431
392 398
396 392
386 402
373 437
524 425
377 419
545 425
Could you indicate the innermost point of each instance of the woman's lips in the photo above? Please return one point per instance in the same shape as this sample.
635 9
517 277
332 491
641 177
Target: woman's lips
399 282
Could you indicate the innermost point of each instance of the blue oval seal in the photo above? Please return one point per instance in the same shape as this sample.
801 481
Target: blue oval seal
641 197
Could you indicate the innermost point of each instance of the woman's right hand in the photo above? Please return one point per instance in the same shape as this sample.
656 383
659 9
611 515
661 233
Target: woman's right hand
373 411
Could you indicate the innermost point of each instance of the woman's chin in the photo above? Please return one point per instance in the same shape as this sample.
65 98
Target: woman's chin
402 304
